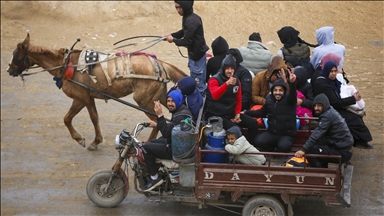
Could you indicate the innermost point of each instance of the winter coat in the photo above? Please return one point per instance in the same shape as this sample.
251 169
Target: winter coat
281 114
245 78
304 87
193 99
181 113
224 100
260 84
192 33
325 39
219 48
331 127
241 145
256 57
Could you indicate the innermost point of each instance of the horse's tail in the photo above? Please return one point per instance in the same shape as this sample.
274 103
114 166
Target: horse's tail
174 73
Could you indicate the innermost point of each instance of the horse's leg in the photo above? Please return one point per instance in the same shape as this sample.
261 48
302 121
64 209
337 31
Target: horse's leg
95 120
76 107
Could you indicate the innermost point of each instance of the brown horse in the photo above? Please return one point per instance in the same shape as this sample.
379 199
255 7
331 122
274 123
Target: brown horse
146 90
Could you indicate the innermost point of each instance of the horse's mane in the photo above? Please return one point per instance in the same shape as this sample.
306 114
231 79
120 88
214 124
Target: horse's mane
174 72
46 51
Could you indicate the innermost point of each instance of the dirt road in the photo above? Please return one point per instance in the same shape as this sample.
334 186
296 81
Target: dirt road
44 171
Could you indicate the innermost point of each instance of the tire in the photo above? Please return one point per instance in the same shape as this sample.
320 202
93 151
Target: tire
263 205
97 182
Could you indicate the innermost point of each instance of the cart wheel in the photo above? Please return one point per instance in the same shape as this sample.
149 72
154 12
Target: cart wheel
264 205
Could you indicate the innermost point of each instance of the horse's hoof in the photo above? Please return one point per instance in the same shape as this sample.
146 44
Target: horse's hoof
92 148
82 142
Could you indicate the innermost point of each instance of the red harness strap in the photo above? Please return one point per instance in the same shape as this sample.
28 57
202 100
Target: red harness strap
70 70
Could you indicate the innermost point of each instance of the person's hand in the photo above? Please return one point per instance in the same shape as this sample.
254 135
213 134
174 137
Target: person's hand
299 154
299 101
170 38
231 81
292 76
357 96
282 74
236 119
158 109
165 37
152 124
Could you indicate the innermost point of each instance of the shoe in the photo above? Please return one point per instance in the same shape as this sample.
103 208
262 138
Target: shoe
152 184
362 145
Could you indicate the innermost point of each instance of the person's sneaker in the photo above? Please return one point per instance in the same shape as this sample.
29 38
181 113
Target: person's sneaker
152 184
363 145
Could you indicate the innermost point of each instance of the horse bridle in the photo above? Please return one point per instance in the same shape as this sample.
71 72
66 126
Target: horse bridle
19 64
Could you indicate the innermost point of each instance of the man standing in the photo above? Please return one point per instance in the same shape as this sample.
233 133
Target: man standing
161 147
331 137
224 99
192 37
280 108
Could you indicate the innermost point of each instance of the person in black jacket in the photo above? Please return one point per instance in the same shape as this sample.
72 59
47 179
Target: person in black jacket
192 37
280 108
331 137
219 48
161 147
328 84
245 78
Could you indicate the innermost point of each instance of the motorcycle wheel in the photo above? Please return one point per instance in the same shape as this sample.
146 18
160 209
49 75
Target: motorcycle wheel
96 185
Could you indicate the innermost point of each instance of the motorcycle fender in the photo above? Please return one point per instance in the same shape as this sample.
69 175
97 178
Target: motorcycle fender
122 174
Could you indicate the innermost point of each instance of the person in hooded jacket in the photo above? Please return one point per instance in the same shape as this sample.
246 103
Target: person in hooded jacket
331 137
325 39
280 109
219 48
256 56
162 146
328 57
261 84
192 37
293 44
304 87
224 99
328 84
192 98
245 78
238 144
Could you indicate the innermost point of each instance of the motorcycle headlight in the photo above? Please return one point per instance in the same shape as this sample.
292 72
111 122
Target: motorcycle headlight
117 142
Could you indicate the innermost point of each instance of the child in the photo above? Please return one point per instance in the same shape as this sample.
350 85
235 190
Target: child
303 111
238 144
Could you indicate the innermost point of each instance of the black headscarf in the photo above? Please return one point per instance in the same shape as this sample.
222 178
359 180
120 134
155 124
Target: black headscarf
288 36
336 84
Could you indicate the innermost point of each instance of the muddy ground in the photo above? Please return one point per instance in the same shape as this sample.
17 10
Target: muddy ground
44 171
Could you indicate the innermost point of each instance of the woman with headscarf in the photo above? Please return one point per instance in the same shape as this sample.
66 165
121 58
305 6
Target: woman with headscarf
328 57
328 84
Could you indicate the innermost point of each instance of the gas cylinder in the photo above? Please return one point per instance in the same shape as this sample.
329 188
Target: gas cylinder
183 143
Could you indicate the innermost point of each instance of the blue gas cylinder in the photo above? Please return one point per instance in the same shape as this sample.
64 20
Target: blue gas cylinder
215 143
183 144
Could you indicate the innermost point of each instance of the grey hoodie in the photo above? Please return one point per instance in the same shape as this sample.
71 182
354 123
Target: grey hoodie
325 39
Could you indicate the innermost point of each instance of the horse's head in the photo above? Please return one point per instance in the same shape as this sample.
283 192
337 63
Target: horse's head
19 61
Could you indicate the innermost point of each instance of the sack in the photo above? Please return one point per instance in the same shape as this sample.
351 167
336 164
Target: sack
360 113
297 162
260 121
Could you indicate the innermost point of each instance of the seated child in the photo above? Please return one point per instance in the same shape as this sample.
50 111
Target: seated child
238 144
303 111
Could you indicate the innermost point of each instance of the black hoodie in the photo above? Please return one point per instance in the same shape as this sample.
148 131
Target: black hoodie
219 48
192 33
281 113
245 78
